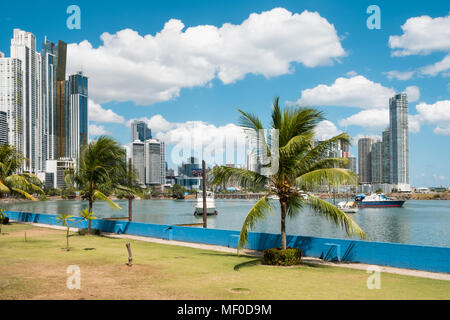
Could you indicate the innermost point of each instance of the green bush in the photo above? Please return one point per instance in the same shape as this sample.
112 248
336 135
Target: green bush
4 220
278 257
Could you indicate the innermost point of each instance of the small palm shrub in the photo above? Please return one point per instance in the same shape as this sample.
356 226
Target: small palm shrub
278 257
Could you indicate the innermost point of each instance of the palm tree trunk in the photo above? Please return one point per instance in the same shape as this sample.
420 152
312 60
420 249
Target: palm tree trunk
90 211
67 239
283 224
130 209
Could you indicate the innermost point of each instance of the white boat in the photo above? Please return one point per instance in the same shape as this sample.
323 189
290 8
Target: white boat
348 206
210 204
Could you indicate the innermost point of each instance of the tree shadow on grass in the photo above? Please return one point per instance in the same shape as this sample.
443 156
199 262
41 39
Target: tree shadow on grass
250 263
224 254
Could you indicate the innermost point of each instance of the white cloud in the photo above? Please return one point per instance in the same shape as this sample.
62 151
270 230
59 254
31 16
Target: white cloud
438 67
326 130
399 75
434 114
219 144
215 144
438 112
413 123
351 73
422 35
413 93
357 92
98 114
153 68
444 131
95 130
372 118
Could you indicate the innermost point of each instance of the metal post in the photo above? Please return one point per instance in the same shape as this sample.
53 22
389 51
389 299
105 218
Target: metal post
130 255
205 224
130 201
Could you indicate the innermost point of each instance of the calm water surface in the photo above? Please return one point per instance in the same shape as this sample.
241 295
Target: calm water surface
418 222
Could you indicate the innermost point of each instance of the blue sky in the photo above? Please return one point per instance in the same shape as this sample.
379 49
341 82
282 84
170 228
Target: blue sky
250 76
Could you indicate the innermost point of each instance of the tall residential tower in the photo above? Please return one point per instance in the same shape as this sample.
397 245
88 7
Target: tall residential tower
399 141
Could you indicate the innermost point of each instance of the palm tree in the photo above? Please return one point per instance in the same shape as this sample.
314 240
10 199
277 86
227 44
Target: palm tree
11 180
301 166
100 170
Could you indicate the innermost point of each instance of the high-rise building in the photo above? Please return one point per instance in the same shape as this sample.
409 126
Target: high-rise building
149 162
138 159
140 131
11 99
61 102
23 47
189 166
386 156
3 127
76 114
155 168
352 164
376 162
251 161
399 141
53 64
364 161
163 163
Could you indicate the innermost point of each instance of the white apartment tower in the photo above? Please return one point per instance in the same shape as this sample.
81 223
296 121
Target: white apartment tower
23 47
11 99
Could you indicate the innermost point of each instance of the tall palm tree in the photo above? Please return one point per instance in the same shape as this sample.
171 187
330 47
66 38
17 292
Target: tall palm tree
100 170
11 180
301 166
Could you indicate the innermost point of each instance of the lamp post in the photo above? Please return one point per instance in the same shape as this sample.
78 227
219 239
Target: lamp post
205 224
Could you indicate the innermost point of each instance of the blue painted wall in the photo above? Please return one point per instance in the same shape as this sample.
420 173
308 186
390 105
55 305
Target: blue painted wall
380 253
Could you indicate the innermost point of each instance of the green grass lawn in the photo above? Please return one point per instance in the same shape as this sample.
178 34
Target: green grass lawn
36 269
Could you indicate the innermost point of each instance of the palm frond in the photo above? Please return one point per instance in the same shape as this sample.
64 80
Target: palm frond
294 204
317 153
256 213
330 163
64 218
336 215
3 188
98 195
242 177
330 176
24 194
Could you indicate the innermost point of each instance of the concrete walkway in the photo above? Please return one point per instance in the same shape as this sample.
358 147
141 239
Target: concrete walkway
359 266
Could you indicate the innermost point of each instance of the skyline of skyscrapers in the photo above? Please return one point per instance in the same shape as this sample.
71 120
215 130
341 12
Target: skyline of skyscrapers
385 163
47 114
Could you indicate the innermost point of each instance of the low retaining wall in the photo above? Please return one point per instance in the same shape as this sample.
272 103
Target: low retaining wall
417 257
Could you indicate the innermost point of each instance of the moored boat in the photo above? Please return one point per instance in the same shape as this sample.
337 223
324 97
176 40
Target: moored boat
377 201
348 206
210 204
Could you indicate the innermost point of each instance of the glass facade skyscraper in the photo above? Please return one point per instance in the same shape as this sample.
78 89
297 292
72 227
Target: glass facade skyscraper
399 140
140 131
76 111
